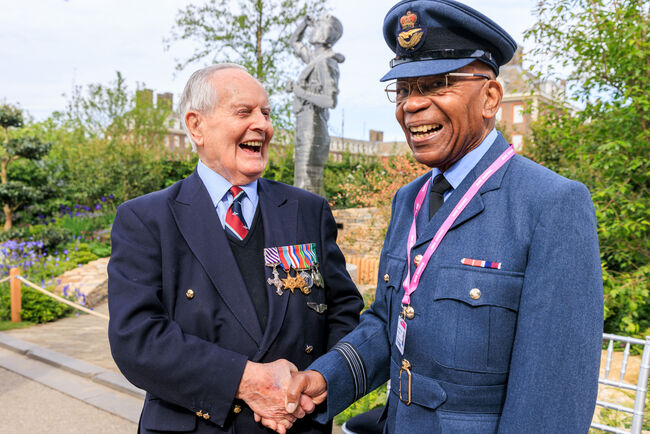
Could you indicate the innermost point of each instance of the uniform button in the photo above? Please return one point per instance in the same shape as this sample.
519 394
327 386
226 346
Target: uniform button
206 416
236 409
189 294
417 260
475 294
199 413
308 349
386 277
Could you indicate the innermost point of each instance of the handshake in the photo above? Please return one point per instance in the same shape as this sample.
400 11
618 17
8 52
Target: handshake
279 394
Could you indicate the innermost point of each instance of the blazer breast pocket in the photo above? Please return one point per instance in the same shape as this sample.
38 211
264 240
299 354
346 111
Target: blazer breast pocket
473 318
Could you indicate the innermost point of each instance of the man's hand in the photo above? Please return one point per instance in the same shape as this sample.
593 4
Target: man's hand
263 387
305 385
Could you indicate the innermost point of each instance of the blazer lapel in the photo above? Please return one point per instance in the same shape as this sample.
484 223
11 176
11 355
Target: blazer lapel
476 205
280 217
199 224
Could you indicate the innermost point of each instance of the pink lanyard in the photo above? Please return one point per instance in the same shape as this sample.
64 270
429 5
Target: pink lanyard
410 286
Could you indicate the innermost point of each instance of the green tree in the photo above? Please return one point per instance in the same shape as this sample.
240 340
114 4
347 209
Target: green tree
111 112
252 33
605 46
15 192
112 143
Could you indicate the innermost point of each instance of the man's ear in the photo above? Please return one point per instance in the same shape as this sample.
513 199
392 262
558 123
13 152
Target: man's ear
193 121
493 93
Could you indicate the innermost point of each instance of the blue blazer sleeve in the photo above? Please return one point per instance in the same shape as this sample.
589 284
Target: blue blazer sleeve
552 384
150 349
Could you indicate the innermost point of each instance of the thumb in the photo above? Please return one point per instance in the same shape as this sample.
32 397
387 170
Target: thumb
298 383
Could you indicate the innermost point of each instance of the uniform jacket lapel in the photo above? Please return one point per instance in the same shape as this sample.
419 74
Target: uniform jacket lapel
476 205
280 217
199 224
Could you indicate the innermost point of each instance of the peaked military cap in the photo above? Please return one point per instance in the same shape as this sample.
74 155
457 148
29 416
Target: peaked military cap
438 36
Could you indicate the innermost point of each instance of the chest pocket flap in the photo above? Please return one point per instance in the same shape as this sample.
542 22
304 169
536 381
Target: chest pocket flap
391 272
480 287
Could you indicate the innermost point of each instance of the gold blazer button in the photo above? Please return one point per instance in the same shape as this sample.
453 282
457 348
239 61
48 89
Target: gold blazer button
475 294
236 409
417 259
386 277
189 294
206 416
308 349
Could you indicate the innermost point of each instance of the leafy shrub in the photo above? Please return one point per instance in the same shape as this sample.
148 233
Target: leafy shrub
36 307
101 250
175 170
374 399
40 267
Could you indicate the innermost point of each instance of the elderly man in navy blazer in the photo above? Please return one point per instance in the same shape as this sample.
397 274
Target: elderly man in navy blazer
489 306
215 279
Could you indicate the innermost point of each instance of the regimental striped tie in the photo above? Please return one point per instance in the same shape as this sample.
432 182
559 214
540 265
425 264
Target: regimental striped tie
235 224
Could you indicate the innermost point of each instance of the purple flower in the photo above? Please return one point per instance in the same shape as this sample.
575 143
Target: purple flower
98 207
103 198
65 290
110 196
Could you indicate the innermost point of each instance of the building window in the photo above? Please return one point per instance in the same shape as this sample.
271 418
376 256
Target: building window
518 114
517 141
500 114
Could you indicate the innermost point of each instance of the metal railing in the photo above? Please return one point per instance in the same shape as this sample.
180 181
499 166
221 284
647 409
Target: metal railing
640 389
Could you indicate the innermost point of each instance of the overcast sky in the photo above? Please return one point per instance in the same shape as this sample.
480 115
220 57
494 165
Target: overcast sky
47 46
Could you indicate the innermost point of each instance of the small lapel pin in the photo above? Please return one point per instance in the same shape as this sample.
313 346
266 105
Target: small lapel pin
319 308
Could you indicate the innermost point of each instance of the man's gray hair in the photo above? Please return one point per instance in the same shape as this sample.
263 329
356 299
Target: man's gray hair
200 95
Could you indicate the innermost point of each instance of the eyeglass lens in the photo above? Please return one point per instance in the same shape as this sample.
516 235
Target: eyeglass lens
429 85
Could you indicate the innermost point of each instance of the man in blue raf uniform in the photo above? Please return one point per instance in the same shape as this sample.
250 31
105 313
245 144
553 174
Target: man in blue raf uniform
489 307
216 278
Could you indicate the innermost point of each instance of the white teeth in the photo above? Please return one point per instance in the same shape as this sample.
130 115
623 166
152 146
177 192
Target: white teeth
424 128
254 144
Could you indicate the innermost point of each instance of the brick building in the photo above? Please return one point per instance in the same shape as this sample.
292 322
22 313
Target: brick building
522 94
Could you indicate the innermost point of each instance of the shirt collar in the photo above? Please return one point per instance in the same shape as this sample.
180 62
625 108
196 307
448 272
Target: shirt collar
218 186
461 168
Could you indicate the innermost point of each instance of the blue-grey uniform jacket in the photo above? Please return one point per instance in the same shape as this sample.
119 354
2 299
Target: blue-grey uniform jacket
509 350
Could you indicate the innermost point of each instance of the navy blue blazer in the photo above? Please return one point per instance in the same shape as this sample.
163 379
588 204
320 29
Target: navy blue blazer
510 350
189 353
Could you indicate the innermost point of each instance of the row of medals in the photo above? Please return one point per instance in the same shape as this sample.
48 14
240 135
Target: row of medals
304 280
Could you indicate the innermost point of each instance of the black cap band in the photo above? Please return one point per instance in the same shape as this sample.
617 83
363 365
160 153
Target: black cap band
447 54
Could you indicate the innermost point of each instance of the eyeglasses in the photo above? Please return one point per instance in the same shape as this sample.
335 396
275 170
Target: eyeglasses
432 85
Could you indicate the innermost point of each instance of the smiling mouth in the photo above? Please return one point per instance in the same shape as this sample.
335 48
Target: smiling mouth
422 131
253 146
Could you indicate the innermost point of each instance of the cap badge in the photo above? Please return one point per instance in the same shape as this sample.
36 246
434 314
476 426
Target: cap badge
410 35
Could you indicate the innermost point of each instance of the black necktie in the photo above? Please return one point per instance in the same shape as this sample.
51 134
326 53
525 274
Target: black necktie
436 198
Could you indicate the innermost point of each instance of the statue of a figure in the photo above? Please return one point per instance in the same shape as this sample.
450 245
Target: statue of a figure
315 92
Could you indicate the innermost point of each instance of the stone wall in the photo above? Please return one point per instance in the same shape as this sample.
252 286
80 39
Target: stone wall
360 237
